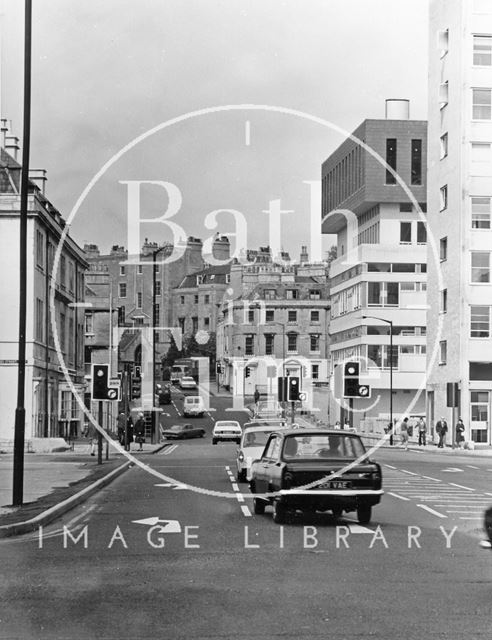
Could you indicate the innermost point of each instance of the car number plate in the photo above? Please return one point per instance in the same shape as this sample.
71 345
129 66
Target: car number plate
335 484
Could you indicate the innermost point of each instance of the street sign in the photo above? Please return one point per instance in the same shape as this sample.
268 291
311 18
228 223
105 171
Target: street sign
302 396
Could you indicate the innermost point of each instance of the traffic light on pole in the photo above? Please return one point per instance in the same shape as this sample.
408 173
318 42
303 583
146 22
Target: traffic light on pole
351 384
293 392
100 380
247 372
282 389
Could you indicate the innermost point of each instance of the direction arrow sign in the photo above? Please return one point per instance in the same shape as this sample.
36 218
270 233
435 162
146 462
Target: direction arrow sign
167 526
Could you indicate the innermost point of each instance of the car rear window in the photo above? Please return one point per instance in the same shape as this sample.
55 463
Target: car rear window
256 439
322 446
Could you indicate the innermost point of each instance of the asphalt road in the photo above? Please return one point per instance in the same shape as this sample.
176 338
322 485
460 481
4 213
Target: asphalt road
415 572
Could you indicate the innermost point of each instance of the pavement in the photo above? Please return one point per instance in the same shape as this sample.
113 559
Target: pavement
57 482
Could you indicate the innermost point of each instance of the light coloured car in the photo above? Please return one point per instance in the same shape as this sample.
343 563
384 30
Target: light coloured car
187 382
227 431
193 406
251 447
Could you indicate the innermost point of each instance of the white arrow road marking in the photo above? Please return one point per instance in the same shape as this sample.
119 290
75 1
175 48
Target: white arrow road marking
470 466
168 526
434 513
174 486
452 470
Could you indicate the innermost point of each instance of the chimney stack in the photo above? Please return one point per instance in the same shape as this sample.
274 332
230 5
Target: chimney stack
397 109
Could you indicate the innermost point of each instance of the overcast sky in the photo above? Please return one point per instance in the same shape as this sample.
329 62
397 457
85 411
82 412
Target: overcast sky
107 71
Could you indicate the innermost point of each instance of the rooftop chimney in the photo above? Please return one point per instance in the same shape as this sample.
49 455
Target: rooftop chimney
38 176
397 109
12 145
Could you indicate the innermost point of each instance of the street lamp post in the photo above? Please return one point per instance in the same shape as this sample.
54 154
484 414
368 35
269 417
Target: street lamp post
390 322
154 283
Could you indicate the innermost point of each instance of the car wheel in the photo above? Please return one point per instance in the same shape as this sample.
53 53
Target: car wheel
241 475
258 506
201 415
202 433
364 514
337 512
279 512
214 441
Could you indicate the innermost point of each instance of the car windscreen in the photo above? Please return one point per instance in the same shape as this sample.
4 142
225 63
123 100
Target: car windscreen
176 428
256 439
322 446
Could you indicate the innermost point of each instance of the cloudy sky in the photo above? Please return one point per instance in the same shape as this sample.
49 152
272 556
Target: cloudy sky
106 72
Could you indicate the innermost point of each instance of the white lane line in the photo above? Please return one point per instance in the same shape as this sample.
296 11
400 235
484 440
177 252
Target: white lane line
410 473
246 510
81 515
227 468
235 486
434 479
460 486
389 466
470 466
487 494
471 518
240 497
168 450
434 513
467 512
395 495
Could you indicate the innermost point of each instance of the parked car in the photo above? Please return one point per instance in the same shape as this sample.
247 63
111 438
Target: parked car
165 394
487 525
187 382
297 467
193 406
226 430
182 431
253 441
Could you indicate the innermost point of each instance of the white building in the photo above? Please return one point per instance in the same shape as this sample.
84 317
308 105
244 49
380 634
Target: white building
459 219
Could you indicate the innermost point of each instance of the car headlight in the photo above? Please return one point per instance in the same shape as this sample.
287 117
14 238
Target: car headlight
240 457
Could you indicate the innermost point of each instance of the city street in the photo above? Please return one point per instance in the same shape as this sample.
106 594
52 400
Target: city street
177 553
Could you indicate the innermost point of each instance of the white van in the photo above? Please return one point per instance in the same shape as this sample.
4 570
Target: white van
193 406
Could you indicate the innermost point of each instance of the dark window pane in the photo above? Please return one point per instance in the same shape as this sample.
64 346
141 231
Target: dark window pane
416 162
391 159
406 232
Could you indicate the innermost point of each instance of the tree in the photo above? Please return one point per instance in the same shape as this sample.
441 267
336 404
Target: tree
171 355
332 254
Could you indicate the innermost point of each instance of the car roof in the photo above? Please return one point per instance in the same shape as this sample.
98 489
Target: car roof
269 428
227 422
316 432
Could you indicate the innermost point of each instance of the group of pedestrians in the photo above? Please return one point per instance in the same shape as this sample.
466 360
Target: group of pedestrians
129 432
406 431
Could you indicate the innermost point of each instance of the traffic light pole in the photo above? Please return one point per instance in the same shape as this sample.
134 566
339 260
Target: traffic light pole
99 434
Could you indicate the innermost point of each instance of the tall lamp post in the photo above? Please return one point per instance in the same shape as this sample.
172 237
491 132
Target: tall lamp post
390 322
154 287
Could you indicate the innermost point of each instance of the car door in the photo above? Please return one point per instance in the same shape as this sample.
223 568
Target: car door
263 468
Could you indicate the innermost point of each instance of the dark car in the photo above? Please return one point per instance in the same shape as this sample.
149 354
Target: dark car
305 470
181 431
487 524
165 395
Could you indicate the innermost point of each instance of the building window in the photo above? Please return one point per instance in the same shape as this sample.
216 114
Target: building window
292 343
416 162
251 315
63 271
315 294
181 299
139 300
156 336
444 301
315 371
480 266
378 356
249 345
194 324
89 323
269 338
482 51
314 343
39 320
270 294
62 332
39 248
374 290
156 314
314 316
480 212
195 299
181 324
206 322
443 197
122 270
444 145
391 159
206 299
292 294
479 321
138 321
443 94
291 316
158 288
421 233
443 249
140 269
443 42
122 290
481 152
479 409
269 315
443 352
482 107
405 232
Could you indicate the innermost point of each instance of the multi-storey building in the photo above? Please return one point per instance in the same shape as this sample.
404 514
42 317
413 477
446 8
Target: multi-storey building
273 323
459 219
51 408
378 280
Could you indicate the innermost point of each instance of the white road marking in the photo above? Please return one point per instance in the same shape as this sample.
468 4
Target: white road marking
240 497
81 515
356 528
168 450
458 511
471 518
389 466
452 470
435 513
395 495
470 466
460 486
227 468
247 132
488 494
434 479
246 510
410 473
180 487
235 486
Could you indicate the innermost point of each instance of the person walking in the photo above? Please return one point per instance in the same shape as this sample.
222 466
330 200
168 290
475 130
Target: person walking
441 430
128 438
121 427
422 429
404 433
460 433
256 396
91 434
139 430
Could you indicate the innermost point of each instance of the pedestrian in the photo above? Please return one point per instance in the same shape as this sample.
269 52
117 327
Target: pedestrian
139 430
256 396
337 425
404 433
121 426
441 430
92 434
422 429
460 433
128 433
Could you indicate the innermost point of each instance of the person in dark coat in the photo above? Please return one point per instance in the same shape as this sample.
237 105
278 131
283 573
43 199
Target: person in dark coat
122 420
139 430
460 433
128 433
441 430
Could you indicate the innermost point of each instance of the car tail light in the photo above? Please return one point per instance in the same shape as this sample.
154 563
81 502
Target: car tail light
240 457
288 480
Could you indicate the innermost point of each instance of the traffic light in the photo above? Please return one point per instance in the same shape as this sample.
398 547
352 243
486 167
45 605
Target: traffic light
137 371
100 379
218 367
282 389
247 372
136 387
351 385
293 391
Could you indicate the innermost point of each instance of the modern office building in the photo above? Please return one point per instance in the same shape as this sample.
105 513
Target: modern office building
378 280
459 217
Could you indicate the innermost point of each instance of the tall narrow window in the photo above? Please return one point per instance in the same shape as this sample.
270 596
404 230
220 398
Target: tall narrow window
444 145
249 345
480 212
482 104
482 51
292 342
269 337
416 168
444 301
421 233
405 232
122 290
443 351
443 249
443 195
480 266
391 159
